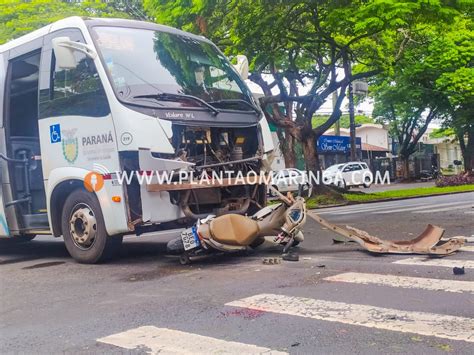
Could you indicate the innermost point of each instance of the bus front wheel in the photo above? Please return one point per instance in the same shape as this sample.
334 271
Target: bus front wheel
84 230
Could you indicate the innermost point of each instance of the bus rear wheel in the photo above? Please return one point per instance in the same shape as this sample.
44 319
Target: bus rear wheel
84 230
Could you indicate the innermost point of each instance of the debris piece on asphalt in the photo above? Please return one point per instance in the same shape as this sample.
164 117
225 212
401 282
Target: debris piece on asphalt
295 344
321 265
271 261
428 242
458 270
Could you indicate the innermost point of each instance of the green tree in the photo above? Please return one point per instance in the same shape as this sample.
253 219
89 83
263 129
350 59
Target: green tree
434 80
19 17
452 56
322 44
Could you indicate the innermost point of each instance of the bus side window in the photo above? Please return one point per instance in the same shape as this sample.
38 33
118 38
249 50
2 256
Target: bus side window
71 92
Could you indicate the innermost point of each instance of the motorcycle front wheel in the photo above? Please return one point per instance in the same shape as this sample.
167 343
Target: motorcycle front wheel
175 246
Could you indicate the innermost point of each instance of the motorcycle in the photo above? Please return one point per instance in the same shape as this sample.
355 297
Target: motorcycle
232 233
433 174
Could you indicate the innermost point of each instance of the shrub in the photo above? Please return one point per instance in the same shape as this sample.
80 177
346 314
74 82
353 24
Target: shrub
455 180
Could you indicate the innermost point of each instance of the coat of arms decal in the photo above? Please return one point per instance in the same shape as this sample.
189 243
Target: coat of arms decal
70 145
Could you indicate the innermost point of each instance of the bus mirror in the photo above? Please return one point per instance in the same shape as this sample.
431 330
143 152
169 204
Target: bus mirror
64 51
242 66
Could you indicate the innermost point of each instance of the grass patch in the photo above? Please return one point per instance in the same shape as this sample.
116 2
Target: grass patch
323 200
420 191
334 198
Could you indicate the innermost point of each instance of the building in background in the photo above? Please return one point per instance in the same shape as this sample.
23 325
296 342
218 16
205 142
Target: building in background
374 139
278 162
447 148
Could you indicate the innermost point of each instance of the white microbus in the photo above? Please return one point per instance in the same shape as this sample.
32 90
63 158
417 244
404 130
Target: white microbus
87 101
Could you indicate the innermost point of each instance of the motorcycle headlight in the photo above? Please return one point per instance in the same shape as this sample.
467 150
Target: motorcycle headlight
295 215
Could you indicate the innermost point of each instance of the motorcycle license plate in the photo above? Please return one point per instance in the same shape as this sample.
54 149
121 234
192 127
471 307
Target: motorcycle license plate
190 238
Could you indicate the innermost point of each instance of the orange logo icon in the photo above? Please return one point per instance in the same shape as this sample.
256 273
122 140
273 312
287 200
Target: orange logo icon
93 182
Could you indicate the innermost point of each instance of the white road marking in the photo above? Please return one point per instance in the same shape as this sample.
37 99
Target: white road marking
429 324
469 205
168 341
355 208
405 282
371 208
375 209
408 209
467 248
422 261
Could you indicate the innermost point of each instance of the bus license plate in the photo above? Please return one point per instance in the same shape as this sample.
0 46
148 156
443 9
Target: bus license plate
190 238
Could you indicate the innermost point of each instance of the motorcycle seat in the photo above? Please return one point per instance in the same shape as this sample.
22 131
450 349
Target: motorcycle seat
234 229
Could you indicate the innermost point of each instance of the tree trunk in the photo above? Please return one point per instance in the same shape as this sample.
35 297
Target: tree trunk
467 149
287 148
405 167
311 158
469 153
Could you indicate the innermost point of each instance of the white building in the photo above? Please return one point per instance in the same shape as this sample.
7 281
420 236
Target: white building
278 162
448 149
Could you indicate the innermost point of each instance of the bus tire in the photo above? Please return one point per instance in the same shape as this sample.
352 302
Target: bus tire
83 228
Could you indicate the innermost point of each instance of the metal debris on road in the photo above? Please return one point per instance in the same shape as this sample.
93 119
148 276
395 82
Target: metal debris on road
429 242
459 270
271 261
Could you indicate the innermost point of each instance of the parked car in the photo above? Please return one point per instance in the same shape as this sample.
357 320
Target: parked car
289 180
349 174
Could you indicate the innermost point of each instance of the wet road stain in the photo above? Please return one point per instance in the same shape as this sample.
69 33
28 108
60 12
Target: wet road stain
41 265
154 274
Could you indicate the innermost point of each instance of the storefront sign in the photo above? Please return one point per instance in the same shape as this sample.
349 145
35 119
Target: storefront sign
336 144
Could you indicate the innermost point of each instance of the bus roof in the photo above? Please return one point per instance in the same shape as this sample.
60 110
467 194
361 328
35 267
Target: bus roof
81 22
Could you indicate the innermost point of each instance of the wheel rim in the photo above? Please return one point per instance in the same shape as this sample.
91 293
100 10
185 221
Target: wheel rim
83 226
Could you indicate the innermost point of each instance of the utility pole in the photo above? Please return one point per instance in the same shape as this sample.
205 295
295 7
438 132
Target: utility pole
352 121
337 125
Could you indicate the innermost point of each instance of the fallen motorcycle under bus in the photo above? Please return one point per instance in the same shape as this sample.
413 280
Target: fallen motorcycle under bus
284 222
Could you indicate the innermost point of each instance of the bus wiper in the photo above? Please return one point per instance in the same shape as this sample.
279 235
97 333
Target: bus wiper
166 96
236 101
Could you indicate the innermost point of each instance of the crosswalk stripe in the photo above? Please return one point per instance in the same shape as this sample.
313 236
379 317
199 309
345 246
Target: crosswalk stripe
467 248
366 208
162 340
429 324
469 205
408 209
355 208
421 261
376 209
404 282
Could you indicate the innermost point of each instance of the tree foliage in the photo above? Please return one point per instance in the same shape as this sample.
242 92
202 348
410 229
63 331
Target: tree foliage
434 80
19 17
321 44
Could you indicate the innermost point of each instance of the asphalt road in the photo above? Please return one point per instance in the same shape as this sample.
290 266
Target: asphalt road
325 303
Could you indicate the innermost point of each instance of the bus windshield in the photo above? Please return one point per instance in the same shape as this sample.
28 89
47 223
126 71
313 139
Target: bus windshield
143 63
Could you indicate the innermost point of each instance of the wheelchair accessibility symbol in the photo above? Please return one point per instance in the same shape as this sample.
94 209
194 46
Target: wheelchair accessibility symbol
55 133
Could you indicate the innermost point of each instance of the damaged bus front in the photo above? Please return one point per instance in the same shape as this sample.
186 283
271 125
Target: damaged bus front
182 106
99 108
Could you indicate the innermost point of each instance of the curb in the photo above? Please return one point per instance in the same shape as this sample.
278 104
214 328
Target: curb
389 199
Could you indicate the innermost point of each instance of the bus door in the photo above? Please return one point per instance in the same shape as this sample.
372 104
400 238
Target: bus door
22 142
